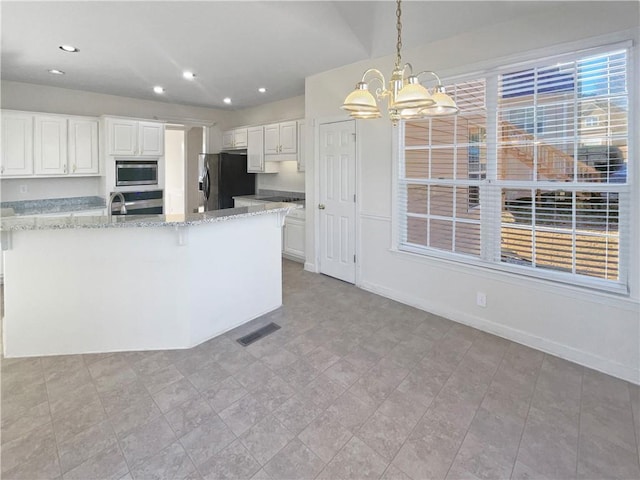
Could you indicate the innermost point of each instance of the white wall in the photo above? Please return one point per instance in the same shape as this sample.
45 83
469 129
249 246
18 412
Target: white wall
288 109
174 144
38 188
288 178
595 329
39 98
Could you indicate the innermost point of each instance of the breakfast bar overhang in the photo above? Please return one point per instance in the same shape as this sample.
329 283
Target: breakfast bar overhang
100 284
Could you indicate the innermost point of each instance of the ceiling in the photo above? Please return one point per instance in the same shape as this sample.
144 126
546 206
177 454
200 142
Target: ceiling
233 47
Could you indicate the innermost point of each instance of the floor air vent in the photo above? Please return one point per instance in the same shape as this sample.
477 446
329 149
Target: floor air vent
258 334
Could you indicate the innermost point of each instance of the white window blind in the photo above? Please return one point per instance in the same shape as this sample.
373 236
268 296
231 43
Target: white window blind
531 176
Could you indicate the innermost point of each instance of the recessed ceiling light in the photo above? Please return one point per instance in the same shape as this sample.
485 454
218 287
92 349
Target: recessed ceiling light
262 90
68 48
158 89
188 75
227 101
53 71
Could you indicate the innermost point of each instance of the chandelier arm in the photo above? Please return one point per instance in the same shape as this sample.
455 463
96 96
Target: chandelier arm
429 72
408 66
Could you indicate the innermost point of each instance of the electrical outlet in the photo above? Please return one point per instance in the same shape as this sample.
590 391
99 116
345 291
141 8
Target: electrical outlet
24 188
481 299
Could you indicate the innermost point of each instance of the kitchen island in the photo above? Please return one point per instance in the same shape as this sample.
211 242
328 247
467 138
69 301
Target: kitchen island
92 284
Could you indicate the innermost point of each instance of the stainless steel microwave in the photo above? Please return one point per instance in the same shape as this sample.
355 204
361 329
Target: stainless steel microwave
136 172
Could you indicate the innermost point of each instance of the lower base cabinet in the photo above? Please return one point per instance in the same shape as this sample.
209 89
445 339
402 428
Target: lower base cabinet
293 240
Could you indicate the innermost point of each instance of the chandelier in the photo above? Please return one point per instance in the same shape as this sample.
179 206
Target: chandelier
406 97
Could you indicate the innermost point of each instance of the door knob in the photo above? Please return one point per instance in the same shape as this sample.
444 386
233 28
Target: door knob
321 206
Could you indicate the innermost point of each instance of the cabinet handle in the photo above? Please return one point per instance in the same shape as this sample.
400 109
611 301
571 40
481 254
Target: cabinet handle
74 168
321 207
2 169
64 169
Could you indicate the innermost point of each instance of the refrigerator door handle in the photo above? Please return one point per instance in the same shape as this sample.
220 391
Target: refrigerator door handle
206 185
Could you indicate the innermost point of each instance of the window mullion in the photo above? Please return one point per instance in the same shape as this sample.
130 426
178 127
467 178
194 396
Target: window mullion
490 194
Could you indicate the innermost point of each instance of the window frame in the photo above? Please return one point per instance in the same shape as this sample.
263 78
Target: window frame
487 258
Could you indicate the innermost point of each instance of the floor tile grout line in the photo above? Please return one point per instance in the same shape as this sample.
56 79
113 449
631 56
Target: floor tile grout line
53 430
504 353
526 418
428 407
108 417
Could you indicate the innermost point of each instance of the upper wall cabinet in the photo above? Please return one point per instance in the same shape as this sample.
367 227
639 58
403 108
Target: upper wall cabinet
83 146
17 144
50 145
281 138
236 138
43 145
132 138
255 153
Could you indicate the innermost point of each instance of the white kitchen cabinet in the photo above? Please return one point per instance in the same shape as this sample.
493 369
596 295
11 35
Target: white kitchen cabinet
255 153
50 145
280 138
132 138
151 139
47 145
17 144
301 145
236 138
83 147
293 241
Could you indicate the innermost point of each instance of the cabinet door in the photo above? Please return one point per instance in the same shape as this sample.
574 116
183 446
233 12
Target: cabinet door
271 139
50 145
301 145
255 150
123 136
83 147
240 138
288 137
227 140
17 145
151 139
294 240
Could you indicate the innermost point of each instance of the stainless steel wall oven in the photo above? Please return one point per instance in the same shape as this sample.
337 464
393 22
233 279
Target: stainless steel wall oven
139 203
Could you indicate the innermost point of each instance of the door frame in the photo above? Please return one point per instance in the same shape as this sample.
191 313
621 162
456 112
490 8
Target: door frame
317 122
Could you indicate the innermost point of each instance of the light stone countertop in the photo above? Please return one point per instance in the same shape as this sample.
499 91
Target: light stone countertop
8 224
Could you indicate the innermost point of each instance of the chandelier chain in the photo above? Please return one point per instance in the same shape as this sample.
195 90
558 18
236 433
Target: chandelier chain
399 28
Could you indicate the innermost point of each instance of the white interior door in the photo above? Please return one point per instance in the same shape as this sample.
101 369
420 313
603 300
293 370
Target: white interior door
337 207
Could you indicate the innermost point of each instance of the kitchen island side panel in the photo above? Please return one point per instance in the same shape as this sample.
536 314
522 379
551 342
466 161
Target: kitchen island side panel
72 291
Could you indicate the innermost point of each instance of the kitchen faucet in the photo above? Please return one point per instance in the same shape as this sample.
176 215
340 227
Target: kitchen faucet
123 208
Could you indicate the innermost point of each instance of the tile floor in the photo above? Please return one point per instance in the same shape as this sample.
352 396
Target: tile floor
352 386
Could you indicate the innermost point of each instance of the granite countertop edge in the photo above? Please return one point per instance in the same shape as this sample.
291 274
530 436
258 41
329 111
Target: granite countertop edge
66 222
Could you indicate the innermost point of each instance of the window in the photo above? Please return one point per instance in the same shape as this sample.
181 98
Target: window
531 175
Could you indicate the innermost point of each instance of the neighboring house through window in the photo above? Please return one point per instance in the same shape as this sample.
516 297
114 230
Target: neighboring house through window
527 178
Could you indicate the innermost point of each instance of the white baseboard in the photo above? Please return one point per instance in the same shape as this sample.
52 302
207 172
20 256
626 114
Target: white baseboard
310 267
293 258
548 346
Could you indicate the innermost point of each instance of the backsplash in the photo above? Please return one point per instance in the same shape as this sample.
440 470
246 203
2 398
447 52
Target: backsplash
287 179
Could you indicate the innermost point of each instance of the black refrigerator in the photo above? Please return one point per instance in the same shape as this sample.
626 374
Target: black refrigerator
224 176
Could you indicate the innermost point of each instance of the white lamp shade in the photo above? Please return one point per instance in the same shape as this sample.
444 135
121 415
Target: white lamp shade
366 115
360 100
444 105
413 95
